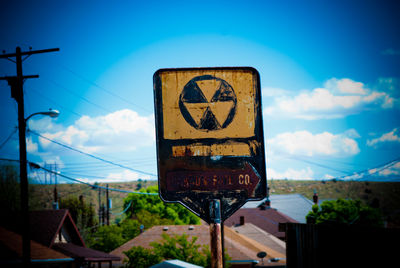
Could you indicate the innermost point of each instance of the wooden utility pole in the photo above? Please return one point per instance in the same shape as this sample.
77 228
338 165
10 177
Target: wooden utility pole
17 92
107 207
99 206
215 234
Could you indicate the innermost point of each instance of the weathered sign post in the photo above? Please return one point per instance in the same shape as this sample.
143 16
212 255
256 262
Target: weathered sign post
210 142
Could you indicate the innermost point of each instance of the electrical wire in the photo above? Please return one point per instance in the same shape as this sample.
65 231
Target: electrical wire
79 96
92 156
8 138
64 108
102 88
89 184
317 164
122 212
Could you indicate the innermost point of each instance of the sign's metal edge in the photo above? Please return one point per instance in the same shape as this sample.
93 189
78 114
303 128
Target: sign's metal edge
158 118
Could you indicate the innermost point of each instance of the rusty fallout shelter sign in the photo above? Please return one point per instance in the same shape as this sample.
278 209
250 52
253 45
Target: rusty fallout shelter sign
210 142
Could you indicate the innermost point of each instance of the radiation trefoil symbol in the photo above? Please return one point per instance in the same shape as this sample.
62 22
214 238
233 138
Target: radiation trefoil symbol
208 103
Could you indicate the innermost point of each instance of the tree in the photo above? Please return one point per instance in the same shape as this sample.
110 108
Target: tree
106 238
172 247
154 205
9 189
149 220
140 257
343 211
82 213
178 247
10 193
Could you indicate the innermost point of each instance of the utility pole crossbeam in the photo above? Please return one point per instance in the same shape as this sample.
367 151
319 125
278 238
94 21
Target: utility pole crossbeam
17 92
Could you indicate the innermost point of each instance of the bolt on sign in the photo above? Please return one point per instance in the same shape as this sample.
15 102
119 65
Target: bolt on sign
210 142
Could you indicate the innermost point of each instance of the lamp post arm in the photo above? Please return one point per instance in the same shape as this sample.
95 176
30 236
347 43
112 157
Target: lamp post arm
29 117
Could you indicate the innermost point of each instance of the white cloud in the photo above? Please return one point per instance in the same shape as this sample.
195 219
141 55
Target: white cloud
338 98
392 136
306 143
31 147
126 175
291 174
346 85
120 131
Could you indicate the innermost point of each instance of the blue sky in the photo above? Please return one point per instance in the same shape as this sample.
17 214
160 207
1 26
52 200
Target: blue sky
330 78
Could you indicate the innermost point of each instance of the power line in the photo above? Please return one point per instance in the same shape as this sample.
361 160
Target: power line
9 137
104 89
93 156
89 184
317 164
34 165
378 168
122 212
80 97
54 102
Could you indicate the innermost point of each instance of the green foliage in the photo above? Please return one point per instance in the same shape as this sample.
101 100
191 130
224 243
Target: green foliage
130 229
154 205
140 257
148 219
82 213
9 189
107 238
178 247
171 247
343 211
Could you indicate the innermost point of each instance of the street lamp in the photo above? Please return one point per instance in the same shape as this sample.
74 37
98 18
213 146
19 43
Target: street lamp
26 247
50 112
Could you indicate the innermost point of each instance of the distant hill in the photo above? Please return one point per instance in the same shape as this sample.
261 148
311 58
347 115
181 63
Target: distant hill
43 195
385 195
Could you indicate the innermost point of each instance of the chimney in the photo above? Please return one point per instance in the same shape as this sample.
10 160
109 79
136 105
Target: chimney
241 220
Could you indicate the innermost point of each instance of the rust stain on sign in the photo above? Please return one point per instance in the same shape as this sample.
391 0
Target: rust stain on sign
224 149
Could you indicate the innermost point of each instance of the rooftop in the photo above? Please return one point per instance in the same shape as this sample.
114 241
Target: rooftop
295 206
238 246
267 220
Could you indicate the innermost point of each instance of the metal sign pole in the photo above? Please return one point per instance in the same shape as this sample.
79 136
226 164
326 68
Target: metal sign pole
215 234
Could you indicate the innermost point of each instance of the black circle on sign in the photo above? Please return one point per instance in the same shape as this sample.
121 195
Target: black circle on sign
208 112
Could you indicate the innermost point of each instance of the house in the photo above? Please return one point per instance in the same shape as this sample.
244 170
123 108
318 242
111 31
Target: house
56 231
11 252
266 219
296 206
239 247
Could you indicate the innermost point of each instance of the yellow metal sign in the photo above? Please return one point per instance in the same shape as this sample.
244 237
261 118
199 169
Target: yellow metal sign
210 142
202 104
